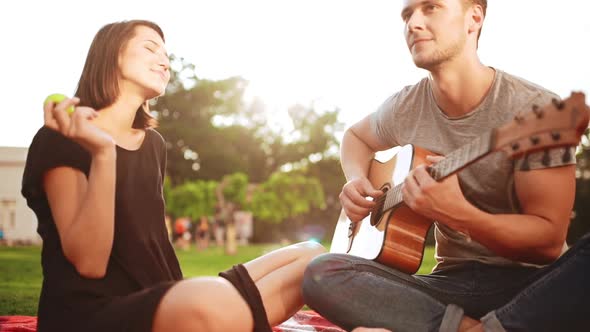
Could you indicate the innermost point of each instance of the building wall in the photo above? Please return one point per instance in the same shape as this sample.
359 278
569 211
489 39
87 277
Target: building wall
17 221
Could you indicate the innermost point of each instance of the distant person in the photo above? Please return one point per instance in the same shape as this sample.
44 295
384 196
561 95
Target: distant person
231 242
95 178
183 235
219 227
202 233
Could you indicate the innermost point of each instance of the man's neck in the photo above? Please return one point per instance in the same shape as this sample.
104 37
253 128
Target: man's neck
459 88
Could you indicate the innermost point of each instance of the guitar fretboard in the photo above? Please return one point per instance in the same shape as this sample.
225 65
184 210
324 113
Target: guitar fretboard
452 163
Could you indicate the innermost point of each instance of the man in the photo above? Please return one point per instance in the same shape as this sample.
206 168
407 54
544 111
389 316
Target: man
496 223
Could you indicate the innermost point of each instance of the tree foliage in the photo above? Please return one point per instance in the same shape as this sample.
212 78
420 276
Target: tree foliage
192 199
284 196
212 134
198 149
235 188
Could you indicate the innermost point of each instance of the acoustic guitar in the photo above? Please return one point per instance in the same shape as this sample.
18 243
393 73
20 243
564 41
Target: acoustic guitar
394 235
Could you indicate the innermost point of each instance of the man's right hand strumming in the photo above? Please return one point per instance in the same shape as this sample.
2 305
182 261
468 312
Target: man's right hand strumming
354 198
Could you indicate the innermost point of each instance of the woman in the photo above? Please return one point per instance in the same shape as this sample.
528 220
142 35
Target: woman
94 180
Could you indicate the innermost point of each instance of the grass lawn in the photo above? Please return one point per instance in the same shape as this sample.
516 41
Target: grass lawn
20 271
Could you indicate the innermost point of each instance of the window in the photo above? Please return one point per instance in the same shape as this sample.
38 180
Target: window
7 214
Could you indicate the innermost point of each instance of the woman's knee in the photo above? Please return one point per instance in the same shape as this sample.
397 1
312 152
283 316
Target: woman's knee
201 304
310 249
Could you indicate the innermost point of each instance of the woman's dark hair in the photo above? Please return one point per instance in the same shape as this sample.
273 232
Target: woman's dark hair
99 85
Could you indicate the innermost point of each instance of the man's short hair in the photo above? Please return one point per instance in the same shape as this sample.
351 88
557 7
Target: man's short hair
482 3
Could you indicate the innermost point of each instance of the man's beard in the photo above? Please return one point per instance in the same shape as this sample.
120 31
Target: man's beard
438 57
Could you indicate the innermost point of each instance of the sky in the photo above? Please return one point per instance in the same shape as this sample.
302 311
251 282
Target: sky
327 53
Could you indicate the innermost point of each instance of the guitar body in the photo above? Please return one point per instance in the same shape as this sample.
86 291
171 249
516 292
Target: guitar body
398 238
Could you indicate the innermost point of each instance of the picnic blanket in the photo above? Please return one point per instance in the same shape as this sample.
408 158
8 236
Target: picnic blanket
307 320
18 323
302 321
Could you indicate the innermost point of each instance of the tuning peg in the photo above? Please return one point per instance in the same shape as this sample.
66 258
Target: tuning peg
538 112
567 156
556 136
515 146
546 159
535 140
519 119
525 164
558 103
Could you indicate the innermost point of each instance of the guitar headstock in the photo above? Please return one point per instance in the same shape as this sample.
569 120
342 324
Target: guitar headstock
557 124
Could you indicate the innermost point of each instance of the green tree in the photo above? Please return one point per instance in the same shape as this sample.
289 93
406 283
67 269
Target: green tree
235 188
192 199
313 137
284 196
199 147
211 132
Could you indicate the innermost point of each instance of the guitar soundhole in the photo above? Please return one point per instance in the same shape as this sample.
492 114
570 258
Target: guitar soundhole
377 212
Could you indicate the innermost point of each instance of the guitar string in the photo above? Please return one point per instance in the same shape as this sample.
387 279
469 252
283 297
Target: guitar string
452 162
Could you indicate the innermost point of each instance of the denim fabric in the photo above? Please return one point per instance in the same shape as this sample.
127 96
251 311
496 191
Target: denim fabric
452 319
557 300
351 291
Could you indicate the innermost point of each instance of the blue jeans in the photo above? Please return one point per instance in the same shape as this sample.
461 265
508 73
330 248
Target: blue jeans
558 299
352 291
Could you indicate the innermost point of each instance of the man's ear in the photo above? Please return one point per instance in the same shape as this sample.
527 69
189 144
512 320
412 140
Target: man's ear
476 18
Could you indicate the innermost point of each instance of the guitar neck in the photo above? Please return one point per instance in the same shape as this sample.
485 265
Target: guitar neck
453 162
462 157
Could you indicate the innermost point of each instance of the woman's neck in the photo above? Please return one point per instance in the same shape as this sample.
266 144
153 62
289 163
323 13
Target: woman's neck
119 117
117 120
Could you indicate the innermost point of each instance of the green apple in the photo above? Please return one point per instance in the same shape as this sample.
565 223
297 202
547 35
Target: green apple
58 98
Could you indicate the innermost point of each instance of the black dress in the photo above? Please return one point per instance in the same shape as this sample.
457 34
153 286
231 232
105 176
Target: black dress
142 265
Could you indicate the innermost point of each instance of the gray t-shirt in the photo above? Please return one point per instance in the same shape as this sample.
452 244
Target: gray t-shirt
412 116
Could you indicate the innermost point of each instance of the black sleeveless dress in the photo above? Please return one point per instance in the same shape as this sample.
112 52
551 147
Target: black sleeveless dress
142 265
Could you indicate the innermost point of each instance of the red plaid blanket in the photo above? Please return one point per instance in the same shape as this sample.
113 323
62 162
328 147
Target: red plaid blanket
302 321
18 324
307 320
